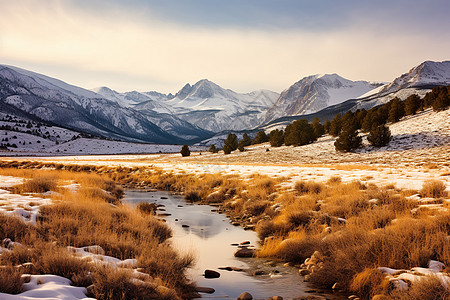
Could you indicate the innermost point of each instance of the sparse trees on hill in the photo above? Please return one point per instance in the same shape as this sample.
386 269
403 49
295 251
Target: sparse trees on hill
185 151
276 138
261 137
442 99
380 136
348 139
231 143
299 133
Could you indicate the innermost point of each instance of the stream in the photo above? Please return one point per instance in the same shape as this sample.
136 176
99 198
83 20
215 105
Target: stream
198 229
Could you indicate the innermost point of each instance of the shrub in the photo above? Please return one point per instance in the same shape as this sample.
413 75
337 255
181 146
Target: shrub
379 136
185 151
433 189
147 208
368 283
213 149
304 187
11 281
36 185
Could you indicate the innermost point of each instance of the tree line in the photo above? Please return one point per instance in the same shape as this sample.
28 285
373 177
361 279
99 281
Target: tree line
345 127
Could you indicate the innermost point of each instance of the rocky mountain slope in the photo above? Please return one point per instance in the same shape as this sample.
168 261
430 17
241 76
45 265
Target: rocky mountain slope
316 92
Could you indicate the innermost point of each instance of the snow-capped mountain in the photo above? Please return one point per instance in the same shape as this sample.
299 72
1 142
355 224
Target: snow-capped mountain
57 102
209 106
316 92
419 80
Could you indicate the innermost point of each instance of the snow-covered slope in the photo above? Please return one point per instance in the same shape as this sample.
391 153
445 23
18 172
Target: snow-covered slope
316 92
209 106
419 80
60 103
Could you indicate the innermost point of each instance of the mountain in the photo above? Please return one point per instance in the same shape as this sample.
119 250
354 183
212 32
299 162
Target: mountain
211 107
316 92
419 80
59 103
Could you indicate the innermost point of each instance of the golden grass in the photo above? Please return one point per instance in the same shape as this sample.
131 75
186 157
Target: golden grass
368 283
11 281
433 189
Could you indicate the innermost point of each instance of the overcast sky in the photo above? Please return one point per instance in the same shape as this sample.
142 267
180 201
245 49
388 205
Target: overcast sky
243 45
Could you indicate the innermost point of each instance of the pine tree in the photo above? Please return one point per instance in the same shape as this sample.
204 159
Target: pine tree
276 138
348 139
327 126
213 149
260 138
185 151
231 143
299 133
319 130
336 125
442 100
396 110
246 141
412 105
380 136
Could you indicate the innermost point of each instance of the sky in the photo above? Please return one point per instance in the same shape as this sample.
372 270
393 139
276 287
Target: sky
243 45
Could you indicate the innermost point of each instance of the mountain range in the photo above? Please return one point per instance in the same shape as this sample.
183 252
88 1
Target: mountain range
200 111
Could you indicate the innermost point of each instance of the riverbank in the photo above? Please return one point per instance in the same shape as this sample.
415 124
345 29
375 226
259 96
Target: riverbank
344 228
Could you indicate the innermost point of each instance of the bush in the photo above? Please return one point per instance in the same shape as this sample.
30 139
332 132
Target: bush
304 187
380 136
433 189
11 281
213 149
185 151
368 283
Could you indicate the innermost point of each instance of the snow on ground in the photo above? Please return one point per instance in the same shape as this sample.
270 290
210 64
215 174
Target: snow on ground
49 287
27 207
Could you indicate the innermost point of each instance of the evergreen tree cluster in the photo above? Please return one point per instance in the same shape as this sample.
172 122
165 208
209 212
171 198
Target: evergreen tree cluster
375 119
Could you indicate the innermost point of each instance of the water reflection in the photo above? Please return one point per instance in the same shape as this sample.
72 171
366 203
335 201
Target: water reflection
196 229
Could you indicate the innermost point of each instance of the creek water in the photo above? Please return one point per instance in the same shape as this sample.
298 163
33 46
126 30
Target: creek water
199 230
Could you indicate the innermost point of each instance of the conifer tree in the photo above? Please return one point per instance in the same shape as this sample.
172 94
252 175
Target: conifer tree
213 149
185 151
348 139
276 138
231 143
441 100
336 125
396 110
319 130
380 136
299 133
412 105
260 138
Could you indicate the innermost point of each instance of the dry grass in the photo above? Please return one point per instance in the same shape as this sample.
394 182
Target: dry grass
430 287
368 283
11 281
433 189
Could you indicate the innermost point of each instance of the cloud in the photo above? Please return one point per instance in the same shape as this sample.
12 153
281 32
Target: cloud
128 49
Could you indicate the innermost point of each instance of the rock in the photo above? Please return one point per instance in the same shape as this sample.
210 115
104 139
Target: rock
258 272
245 243
336 286
95 249
185 226
234 244
275 298
164 198
244 252
245 296
226 268
353 297
202 289
237 269
211 274
311 298
304 272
